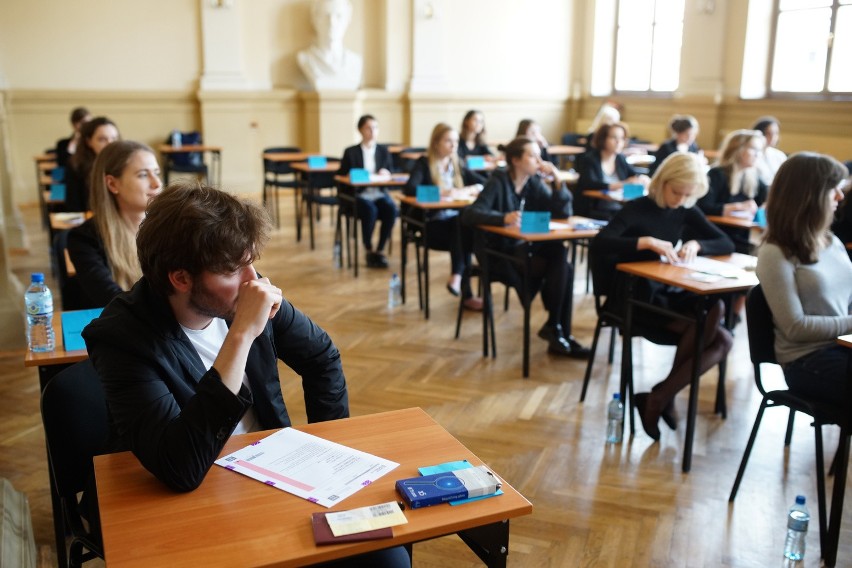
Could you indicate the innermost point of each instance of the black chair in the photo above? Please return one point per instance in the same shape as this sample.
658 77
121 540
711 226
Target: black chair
314 191
475 271
70 291
602 277
761 343
185 162
76 427
406 164
273 172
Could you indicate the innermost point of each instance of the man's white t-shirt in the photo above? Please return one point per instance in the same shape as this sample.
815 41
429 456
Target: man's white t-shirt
208 342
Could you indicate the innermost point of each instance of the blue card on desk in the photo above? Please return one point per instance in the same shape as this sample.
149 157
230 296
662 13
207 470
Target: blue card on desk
476 162
359 175
72 327
535 222
317 162
428 194
57 192
760 218
633 190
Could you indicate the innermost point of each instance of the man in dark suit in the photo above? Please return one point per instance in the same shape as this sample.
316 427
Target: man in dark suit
372 203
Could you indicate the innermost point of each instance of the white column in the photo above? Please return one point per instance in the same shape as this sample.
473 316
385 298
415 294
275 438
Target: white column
222 50
428 52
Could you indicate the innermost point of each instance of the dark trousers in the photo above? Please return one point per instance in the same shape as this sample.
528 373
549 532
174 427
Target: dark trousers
820 375
369 211
448 234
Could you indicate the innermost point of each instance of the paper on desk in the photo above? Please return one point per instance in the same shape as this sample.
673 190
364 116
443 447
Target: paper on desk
713 267
557 226
366 519
307 466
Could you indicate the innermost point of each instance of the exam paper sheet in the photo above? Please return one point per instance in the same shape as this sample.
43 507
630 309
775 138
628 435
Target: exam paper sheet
307 466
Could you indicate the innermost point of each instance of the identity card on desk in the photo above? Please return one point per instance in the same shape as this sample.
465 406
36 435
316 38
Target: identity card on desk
307 466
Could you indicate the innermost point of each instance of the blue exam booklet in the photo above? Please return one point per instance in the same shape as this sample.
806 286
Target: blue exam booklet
317 162
359 175
57 192
535 222
72 327
428 194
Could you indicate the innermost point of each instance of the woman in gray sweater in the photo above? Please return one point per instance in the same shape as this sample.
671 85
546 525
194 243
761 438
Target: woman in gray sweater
807 276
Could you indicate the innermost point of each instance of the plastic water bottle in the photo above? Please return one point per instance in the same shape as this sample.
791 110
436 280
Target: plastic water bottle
797 528
177 139
394 291
615 419
336 255
39 302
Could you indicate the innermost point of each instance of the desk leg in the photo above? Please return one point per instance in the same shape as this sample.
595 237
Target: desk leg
700 317
526 301
403 253
489 542
837 495
627 355
297 206
425 300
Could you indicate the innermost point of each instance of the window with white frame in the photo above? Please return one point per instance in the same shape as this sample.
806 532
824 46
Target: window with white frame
649 34
812 48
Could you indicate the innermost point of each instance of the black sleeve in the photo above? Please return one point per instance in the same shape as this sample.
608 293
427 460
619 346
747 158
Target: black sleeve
712 239
470 177
345 162
713 202
762 192
76 191
90 261
383 158
420 175
490 206
591 173
612 239
623 168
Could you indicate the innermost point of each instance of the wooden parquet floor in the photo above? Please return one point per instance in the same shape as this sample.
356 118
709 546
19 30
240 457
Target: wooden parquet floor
594 505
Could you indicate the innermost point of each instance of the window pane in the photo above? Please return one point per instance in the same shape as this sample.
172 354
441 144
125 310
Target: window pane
635 13
633 58
669 11
800 51
799 4
840 74
665 71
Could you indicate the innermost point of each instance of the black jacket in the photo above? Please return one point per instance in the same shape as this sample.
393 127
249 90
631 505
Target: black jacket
665 150
353 157
86 249
176 417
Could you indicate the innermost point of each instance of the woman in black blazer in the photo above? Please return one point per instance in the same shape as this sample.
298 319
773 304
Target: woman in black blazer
372 204
95 135
472 137
441 166
605 167
684 129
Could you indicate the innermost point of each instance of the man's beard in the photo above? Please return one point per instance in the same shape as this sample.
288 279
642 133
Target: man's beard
205 303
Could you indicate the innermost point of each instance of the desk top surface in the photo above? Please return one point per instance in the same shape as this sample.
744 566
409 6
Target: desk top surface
288 156
459 201
232 520
561 234
845 340
564 150
731 221
679 276
330 166
169 149
58 356
393 180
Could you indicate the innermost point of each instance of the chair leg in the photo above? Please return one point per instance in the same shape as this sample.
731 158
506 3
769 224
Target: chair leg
612 338
820 466
506 299
789 435
747 452
459 317
591 360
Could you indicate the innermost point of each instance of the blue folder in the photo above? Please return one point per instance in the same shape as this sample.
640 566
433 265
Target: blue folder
359 175
476 162
317 162
632 191
72 327
428 194
535 222
57 192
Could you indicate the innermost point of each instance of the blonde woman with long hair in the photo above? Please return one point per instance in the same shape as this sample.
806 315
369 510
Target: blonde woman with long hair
734 188
125 176
441 166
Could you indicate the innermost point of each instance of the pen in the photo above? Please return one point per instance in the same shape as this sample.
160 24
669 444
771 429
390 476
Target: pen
678 245
523 202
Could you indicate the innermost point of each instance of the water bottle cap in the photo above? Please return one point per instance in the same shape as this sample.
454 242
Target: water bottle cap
395 275
800 499
616 396
37 277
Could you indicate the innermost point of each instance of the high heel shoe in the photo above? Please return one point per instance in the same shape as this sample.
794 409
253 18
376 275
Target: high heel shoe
669 415
454 291
649 419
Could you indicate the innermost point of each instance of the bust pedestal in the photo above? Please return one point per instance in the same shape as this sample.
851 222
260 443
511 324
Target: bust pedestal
329 120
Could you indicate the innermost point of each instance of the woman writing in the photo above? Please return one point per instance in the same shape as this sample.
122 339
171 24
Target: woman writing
473 136
521 188
807 276
125 176
94 136
650 228
440 166
734 186
605 167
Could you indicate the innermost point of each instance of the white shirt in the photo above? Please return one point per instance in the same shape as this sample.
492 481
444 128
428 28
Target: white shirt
369 154
768 163
208 342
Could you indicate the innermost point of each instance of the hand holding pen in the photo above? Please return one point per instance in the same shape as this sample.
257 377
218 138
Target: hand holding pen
514 217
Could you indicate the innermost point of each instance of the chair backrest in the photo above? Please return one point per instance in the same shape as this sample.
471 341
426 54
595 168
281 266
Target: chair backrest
187 158
76 425
761 330
270 167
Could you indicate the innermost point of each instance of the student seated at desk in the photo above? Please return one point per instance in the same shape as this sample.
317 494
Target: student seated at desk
771 158
94 137
441 166
372 203
605 167
125 177
528 128
684 129
472 137
649 228
508 193
807 275
734 186
66 147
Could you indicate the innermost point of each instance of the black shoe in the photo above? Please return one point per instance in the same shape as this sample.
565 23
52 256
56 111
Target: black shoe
578 351
550 332
376 260
649 419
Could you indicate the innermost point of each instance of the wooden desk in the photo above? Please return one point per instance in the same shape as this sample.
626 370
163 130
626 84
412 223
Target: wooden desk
232 520
215 151
49 364
414 214
66 221
310 189
347 191
678 276
412 155
514 232
616 195
281 158
731 221
43 164
565 150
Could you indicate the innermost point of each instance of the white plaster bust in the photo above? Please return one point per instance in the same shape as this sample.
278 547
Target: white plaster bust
326 63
